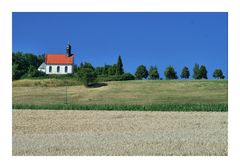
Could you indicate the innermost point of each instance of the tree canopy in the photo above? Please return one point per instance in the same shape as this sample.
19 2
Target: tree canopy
170 73
119 66
185 73
203 72
141 72
199 72
87 74
153 73
218 74
196 72
24 63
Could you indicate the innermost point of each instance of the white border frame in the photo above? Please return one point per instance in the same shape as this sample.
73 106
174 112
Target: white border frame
230 6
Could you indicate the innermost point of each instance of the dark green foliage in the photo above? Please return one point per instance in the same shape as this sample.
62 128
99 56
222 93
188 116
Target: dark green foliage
119 66
85 65
127 76
170 73
203 72
152 107
26 66
87 74
196 72
218 74
107 70
21 63
153 73
141 72
185 73
105 78
100 70
199 73
33 72
16 73
75 68
112 69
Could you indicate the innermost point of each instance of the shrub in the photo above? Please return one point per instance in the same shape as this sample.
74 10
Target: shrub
127 76
33 72
105 78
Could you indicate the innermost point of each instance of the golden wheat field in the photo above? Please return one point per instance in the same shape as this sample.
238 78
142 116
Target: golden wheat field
56 132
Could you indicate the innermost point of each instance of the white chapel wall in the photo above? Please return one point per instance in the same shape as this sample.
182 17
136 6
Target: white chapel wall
61 70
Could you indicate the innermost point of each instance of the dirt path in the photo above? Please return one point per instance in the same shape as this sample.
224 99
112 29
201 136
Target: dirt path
56 132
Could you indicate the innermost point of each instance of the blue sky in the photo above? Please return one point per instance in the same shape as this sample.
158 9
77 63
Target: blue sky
160 39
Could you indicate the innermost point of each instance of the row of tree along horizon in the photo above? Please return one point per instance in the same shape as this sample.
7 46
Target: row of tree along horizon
25 66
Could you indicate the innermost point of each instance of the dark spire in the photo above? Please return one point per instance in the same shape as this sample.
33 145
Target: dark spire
68 50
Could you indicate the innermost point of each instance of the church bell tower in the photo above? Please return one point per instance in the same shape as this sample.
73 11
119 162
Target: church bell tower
68 50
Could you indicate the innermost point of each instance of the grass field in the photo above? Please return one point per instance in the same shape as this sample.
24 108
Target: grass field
123 93
51 82
65 132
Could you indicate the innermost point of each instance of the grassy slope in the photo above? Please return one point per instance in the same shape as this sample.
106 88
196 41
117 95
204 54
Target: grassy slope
51 82
128 92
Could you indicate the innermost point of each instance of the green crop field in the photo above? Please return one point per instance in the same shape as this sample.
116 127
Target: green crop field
124 93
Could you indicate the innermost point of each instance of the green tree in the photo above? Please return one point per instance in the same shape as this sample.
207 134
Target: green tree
87 74
20 65
218 74
119 66
112 69
105 70
203 72
22 61
33 72
170 73
15 72
141 72
99 70
153 73
75 68
185 73
86 65
196 72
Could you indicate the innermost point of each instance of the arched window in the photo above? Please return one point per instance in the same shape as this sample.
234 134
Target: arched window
66 68
50 69
58 68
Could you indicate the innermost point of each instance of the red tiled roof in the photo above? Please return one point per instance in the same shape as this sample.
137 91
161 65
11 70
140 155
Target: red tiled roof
58 59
